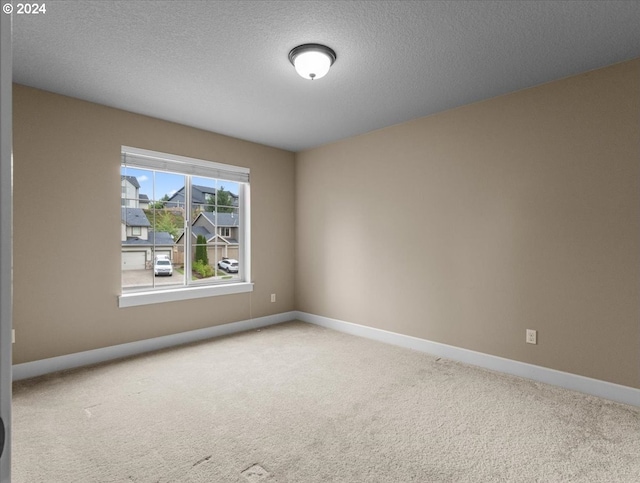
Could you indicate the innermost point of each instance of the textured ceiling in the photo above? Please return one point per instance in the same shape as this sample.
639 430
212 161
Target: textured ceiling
222 65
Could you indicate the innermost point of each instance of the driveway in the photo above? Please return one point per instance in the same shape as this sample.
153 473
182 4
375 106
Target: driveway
145 278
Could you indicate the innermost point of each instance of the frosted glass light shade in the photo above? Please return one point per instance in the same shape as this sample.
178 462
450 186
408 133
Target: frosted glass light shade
312 61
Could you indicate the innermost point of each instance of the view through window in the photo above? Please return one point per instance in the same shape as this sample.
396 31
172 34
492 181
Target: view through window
179 227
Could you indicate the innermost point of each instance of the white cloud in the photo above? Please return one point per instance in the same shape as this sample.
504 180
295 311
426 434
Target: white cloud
143 178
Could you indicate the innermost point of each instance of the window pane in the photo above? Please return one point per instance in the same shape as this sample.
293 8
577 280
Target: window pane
150 229
204 239
136 248
227 250
203 194
132 186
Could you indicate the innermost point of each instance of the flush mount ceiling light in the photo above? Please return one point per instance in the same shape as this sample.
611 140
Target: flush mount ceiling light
312 61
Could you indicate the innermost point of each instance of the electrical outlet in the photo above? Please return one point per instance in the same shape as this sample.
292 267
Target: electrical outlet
532 336
273 297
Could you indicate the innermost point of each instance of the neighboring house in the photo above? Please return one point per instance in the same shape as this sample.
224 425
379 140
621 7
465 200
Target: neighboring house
130 191
134 224
223 225
137 238
131 197
138 241
221 232
143 202
200 195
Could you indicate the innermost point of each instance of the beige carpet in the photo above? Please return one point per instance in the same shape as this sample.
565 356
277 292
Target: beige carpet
296 403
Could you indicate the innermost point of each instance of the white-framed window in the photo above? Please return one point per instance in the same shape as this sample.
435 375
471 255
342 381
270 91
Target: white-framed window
179 223
225 232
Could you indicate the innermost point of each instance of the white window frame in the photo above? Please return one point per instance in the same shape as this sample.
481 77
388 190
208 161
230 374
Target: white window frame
146 159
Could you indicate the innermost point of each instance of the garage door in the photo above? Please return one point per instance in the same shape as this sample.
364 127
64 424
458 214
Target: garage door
133 260
163 253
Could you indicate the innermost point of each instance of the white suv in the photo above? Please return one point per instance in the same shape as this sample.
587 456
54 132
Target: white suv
229 265
162 266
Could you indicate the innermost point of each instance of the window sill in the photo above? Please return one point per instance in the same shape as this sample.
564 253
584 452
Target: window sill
159 296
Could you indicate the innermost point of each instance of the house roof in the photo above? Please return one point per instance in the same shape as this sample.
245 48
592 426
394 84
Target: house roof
200 230
143 197
134 217
227 240
133 180
221 219
161 238
198 194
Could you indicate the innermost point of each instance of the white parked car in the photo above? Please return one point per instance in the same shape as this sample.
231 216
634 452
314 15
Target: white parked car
229 265
162 266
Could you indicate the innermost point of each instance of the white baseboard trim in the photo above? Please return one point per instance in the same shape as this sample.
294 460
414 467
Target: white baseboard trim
594 387
79 359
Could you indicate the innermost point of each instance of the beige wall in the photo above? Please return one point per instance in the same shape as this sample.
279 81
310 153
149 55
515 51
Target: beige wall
518 212
67 226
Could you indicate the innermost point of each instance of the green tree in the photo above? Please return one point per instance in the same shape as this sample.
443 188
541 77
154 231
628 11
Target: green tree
203 270
210 203
158 205
201 250
167 222
163 220
223 203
